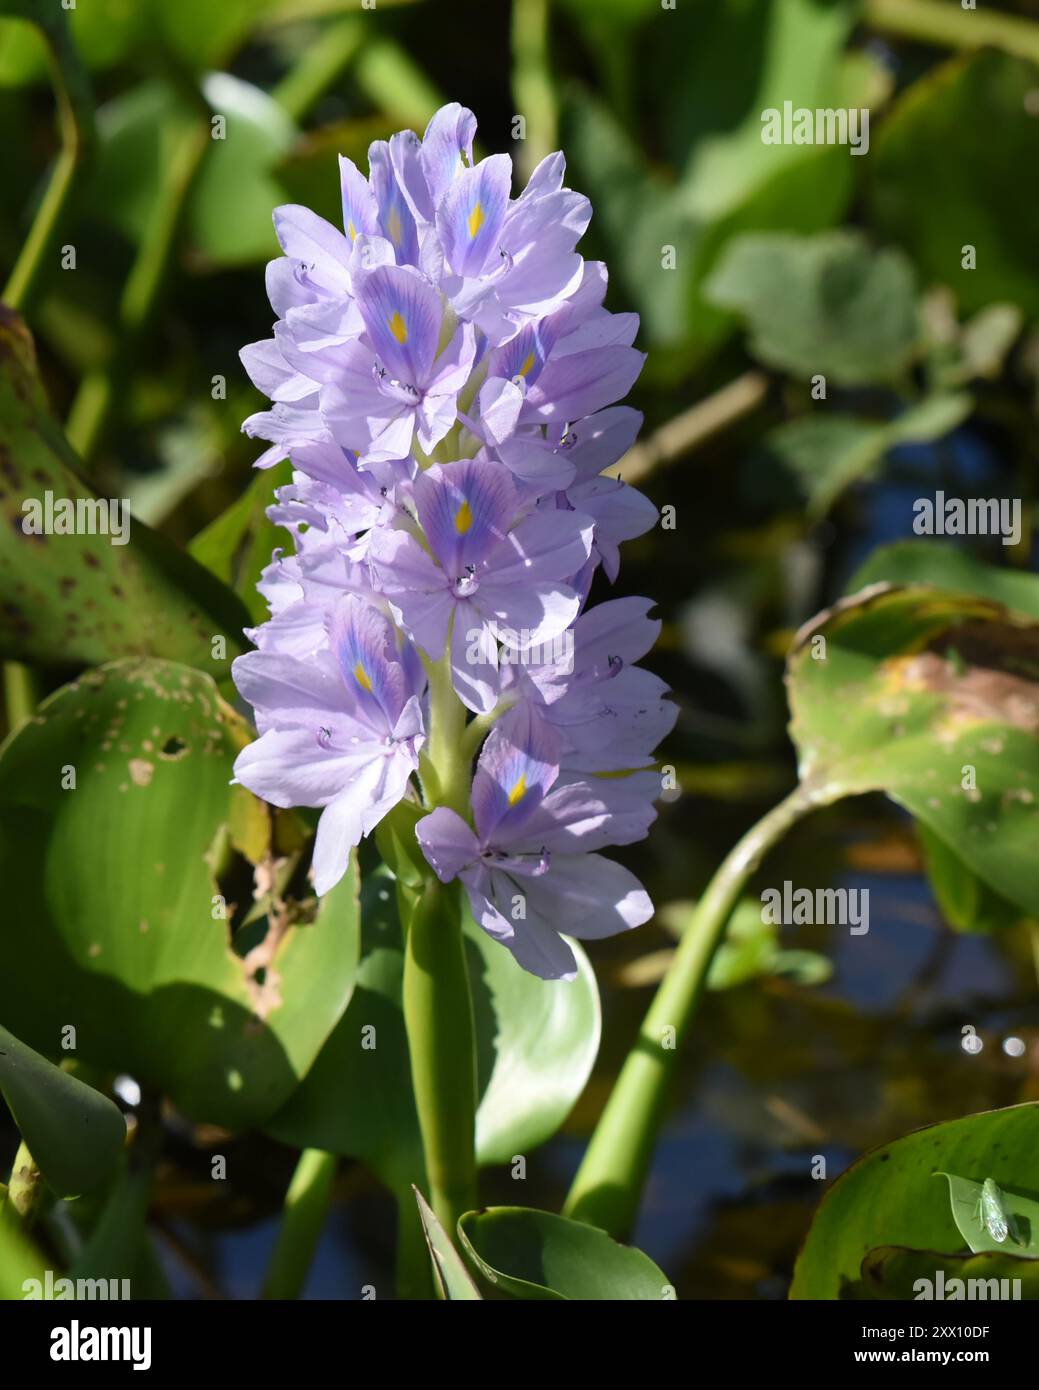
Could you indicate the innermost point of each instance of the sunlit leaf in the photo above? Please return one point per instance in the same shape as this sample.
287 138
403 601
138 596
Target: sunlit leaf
891 1196
931 697
453 1279
125 847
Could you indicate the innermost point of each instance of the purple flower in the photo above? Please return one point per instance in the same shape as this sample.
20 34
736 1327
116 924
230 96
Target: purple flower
529 867
340 730
444 376
484 575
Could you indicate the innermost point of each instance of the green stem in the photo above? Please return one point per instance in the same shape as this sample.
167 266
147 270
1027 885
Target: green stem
76 124
92 407
951 26
306 1207
445 752
319 67
609 1182
438 1016
21 693
532 88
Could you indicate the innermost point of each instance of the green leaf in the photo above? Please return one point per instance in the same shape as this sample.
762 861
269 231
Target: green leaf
538 1255
964 901
229 214
890 1196
892 1272
228 217
74 1133
453 1279
356 1100
238 544
134 879
824 304
932 698
965 1197
78 598
536 1043
936 188
826 453
950 567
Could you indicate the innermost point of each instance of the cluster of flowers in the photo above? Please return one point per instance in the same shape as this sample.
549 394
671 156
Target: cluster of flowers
442 375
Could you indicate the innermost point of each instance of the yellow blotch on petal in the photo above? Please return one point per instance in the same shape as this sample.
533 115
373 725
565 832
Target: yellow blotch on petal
519 788
394 226
399 328
463 518
351 230
475 219
361 677
527 365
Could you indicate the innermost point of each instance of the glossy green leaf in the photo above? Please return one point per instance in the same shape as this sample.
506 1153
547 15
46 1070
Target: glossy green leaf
826 453
931 697
1023 1230
238 544
538 1255
936 187
892 1272
74 1133
454 1282
826 304
891 1196
79 598
536 1043
135 877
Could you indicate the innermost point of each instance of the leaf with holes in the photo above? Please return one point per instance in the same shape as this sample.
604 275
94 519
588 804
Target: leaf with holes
931 697
170 953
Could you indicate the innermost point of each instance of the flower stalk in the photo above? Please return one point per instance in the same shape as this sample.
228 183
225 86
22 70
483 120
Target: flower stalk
609 1182
438 1016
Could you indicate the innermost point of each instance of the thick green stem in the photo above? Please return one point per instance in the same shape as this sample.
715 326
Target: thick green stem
609 1182
306 1207
446 753
92 407
951 26
76 123
438 1016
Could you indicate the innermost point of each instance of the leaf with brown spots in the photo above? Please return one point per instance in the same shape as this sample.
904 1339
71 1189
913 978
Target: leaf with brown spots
79 599
933 698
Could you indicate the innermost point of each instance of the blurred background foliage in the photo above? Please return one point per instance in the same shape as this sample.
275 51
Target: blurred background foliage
756 269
